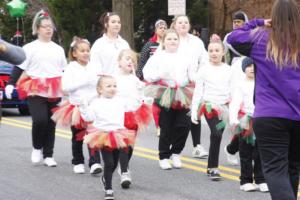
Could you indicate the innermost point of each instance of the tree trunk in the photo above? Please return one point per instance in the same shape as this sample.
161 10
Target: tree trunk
124 9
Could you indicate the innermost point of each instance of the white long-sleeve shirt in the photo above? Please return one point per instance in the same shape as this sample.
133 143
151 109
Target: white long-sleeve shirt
130 89
213 84
107 114
168 66
242 99
193 47
43 59
104 55
79 82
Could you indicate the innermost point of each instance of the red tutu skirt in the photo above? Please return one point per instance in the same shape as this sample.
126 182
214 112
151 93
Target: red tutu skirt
139 119
45 87
118 139
68 115
177 97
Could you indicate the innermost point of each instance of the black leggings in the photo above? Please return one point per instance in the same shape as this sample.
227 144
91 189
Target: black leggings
110 160
43 127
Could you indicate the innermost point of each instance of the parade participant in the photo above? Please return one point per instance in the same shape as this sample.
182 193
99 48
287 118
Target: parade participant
78 82
130 89
150 47
41 84
241 110
147 51
169 73
211 97
234 58
108 132
106 49
193 47
277 102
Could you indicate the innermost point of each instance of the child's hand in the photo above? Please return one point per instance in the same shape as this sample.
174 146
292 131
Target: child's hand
2 48
148 100
194 117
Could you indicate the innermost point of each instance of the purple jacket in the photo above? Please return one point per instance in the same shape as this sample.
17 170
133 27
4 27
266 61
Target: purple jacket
277 91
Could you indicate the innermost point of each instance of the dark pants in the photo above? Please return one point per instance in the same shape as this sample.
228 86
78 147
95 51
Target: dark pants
249 153
43 127
77 151
278 142
215 142
196 133
110 160
174 128
233 146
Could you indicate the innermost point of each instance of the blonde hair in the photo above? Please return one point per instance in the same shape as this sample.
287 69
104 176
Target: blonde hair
284 42
214 38
74 45
133 55
168 31
102 80
39 16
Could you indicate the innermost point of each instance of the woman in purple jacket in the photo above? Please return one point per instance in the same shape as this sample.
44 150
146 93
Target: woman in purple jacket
275 49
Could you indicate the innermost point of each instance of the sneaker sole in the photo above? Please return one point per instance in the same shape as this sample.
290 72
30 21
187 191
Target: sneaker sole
215 178
126 184
96 171
201 157
109 198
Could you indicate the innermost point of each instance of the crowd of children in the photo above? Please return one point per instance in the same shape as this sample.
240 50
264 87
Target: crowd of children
105 104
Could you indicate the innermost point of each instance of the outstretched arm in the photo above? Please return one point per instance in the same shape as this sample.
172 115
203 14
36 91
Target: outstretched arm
11 53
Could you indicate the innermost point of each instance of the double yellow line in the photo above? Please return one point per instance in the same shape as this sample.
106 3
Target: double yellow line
189 163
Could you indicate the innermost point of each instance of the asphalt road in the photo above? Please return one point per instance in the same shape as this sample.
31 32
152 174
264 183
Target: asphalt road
20 180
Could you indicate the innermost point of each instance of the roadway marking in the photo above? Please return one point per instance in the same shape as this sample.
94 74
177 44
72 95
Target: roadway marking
138 151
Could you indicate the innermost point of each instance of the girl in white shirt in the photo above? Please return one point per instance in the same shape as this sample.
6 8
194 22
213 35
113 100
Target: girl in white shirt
194 49
130 89
169 73
108 132
41 84
106 49
78 82
211 97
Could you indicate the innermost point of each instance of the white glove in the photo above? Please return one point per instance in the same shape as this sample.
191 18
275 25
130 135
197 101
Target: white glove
8 91
194 117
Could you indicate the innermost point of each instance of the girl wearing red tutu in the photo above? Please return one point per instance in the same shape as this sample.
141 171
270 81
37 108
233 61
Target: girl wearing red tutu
107 131
78 82
211 98
130 89
41 84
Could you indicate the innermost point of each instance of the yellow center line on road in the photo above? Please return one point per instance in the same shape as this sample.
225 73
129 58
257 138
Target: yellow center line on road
138 151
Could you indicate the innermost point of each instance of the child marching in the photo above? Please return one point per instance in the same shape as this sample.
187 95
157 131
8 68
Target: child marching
78 82
241 109
169 74
211 97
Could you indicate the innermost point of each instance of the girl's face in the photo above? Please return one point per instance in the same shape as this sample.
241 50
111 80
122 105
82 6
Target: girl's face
82 53
182 25
45 29
249 71
114 25
160 30
216 53
171 42
127 63
107 88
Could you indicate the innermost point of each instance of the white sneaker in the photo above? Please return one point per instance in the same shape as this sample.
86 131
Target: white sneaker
263 187
164 164
50 162
199 152
125 179
231 159
248 187
96 169
78 169
36 156
176 161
